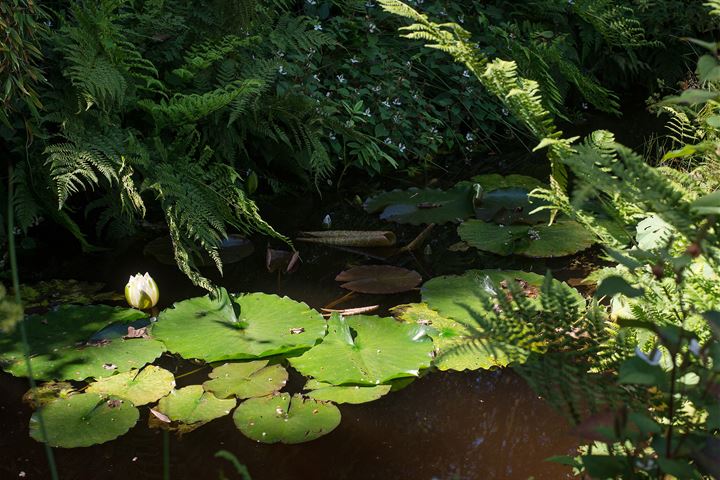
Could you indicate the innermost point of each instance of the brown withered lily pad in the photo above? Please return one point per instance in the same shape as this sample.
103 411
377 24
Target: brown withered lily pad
379 279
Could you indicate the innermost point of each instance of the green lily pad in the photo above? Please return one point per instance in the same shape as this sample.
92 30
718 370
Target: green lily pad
62 292
509 206
192 404
495 181
366 350
83 420
417 206
266 325
354 394
281 418
70 344
562 238
453 295
451 340
246 380
46 393
140 387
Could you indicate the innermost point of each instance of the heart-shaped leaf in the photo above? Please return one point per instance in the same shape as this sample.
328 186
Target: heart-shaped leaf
74 343
192 404
366 350
83 420
246 380
139 387
266 325
280 418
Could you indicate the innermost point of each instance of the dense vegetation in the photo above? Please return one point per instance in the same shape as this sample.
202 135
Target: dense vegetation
120 114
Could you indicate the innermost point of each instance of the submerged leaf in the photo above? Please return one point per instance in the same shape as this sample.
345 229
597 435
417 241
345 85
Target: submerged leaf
281 418
366 350
379 279
83 420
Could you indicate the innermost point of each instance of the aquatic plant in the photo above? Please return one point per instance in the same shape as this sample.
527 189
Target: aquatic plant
142 292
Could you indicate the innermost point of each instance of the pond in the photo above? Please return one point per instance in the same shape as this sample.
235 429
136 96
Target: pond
445 425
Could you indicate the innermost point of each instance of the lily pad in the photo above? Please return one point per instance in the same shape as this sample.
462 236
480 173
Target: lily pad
495 181
562 238
281 418
453 296
451 341
140 387
509 206
47 392
61 292
379 279
83 420
266 325
192 404
354 394
417 206
246 380
366 350
68 344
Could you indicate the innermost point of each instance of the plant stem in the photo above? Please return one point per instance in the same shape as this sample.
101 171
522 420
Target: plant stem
166 455
21 324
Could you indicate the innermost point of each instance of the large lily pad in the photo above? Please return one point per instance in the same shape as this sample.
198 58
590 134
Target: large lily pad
72 344
354 394
456 296
246 380
451 340
417 206
562 238
281 418
366 350
83 420
139 386
61 292
266 325
192 404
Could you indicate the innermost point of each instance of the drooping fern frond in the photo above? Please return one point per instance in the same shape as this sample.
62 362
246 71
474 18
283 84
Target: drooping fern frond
616 23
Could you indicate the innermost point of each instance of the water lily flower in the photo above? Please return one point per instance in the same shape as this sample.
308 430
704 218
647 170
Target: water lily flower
142 292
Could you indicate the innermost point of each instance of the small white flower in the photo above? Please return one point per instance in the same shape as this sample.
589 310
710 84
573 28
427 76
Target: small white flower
653 359
316 77
281 70
469 137
317 27
332 136
354 60
401 147
388 141
372 27
466 73
142 292
385 103
367 112
397 102
341 78
376 88
327 221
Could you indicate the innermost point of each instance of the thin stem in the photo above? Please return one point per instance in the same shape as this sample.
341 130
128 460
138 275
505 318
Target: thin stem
21 324
166 455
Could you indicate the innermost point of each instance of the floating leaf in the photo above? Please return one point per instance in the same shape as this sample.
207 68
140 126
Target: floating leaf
73 343
246 380
449 337
562 238
495 181
379 279
192 404
417 206
47 392
366 350
61 292
83 420
281 418
452 296
509 206
140 387
354 394
266 325
350 238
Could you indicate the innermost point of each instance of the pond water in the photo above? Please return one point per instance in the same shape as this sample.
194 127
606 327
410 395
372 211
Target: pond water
470 425
444 426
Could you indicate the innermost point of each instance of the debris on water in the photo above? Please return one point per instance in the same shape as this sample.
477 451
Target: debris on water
296 331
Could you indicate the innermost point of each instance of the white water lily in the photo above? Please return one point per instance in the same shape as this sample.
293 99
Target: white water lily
142 292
